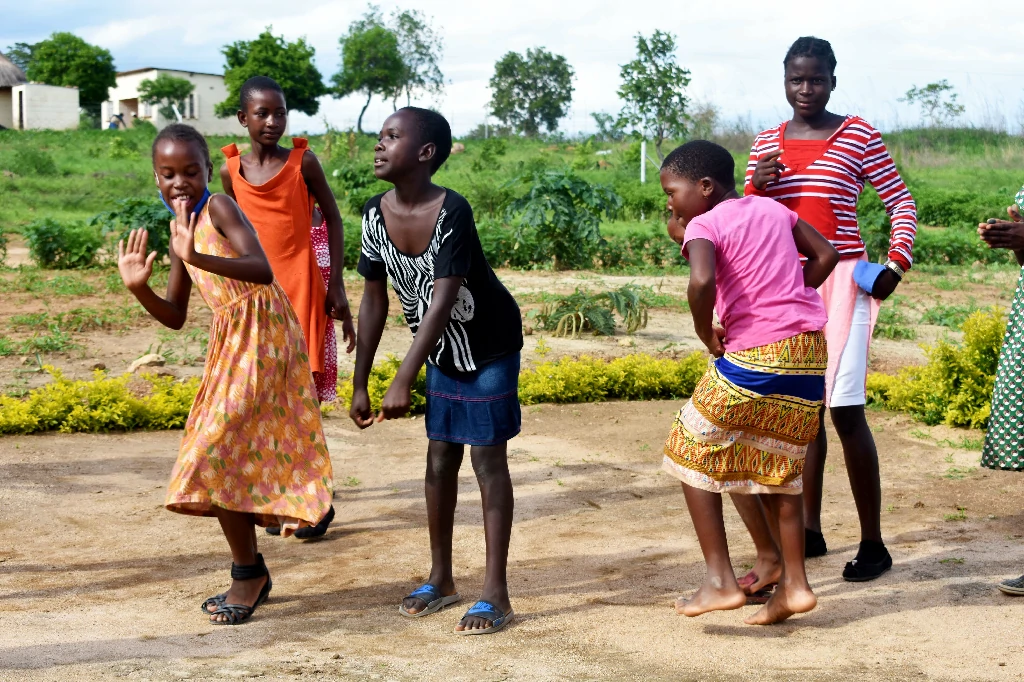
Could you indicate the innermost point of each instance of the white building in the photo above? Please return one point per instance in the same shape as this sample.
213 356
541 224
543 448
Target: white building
197 110
34 106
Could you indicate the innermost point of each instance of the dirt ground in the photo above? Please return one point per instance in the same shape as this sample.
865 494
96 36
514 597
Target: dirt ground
98 581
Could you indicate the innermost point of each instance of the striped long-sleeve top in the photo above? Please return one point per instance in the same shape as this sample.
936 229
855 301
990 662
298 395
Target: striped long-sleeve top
854 154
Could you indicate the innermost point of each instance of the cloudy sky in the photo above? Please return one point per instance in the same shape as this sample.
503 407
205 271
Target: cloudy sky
734 50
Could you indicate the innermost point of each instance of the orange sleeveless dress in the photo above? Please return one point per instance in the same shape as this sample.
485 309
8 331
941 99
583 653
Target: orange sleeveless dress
281 210
253 441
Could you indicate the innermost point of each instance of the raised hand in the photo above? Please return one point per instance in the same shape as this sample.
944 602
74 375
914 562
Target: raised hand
133 263
183 231
768 170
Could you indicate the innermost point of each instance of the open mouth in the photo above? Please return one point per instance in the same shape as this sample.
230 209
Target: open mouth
379 162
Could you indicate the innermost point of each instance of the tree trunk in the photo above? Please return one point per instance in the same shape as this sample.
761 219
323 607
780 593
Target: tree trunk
359 123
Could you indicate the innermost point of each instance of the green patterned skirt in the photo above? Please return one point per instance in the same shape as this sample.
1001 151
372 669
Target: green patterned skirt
1004 443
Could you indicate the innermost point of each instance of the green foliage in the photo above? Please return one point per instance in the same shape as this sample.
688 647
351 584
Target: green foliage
133 214
290 64
585 312
609 128
54 340
57 245
654 90
952 316
168 92
955 386
3 247
103 404
633 377
371 63
893 324
123 147
31 281
939 105
421 49
20 54
81 319
66 59
531 91
490 150
28 161
639 249
563 211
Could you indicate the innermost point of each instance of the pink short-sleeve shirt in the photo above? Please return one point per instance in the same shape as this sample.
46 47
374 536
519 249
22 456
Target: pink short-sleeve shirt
761 297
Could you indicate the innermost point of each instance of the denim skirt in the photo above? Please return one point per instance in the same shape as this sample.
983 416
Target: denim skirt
475 408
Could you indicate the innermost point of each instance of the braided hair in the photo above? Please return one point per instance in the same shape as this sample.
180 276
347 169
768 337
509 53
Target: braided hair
809 46
180 132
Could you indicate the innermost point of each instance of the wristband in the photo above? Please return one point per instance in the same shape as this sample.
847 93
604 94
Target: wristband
896 269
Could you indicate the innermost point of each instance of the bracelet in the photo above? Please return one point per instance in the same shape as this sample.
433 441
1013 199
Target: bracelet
896 269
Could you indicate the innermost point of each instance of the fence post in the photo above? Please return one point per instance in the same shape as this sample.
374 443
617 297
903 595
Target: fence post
643 161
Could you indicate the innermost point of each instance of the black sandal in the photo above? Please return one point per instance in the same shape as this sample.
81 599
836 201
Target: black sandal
861 571
307 532
814 544
239 613
218 599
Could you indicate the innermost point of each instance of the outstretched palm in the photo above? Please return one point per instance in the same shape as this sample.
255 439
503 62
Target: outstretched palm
183 231
133 262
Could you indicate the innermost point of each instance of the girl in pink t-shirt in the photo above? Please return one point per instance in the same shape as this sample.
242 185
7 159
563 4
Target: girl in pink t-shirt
752 415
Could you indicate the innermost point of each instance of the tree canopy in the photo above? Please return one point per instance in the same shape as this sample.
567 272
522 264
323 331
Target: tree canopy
290 64
168 92
654 91
371 63
421 48
532 90
66 59
938 101
20 54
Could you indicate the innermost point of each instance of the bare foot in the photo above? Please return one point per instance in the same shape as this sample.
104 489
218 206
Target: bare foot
765 572
784 603
711 597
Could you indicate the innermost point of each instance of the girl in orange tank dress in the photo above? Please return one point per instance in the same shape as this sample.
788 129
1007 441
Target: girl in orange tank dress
253 452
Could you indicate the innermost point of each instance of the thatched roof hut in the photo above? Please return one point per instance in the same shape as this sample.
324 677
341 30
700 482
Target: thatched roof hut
10 75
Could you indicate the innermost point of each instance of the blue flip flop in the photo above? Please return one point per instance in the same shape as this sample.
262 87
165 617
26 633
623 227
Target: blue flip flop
485 609
434 599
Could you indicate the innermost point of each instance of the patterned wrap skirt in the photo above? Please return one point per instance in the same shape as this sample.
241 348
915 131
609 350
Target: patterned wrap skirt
1004 442
752 415
475 408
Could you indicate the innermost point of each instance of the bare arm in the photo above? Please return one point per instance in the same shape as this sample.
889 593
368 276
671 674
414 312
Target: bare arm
225 180
136 267
251 265
821 256
701 293
398 398
337 301
373 314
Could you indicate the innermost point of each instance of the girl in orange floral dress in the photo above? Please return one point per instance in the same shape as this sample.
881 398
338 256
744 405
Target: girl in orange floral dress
253 452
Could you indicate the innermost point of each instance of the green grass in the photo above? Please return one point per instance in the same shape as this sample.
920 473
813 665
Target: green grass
952 316
81 319
34 281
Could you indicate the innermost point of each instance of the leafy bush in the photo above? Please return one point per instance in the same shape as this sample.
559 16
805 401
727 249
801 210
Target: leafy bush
358 197
638 249
633 377
952 316
104 404
490 150
581 311
56 245
506 247
642 202
122 146
564 212
381 376
893 324
29 161
955 386
137 213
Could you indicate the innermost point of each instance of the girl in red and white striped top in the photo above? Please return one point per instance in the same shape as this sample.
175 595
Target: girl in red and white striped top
852 155
817 164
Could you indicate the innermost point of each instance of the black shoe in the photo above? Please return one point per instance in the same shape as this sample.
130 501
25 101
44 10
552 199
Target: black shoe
872 560
307 532
273 530
814 544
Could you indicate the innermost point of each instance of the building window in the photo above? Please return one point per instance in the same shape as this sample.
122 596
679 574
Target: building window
147 110
192 106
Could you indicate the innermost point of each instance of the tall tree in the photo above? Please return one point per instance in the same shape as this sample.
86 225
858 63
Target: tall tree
371 63
421 48
290 64
168 92
938 101
20 54
532 90
654 91
66 59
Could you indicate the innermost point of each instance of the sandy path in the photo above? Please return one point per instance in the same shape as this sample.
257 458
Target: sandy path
97 581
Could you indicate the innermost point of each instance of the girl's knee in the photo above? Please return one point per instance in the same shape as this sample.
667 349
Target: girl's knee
849 421
443 459
490 462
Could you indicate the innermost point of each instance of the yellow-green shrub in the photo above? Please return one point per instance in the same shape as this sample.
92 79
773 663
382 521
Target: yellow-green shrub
103 404
955 386
633 377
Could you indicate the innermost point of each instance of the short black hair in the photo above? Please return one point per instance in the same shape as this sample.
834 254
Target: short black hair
699 159
433 127
809 46
256 84
180 132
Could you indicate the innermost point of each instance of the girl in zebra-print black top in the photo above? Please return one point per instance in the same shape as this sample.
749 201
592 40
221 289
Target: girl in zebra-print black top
467 328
